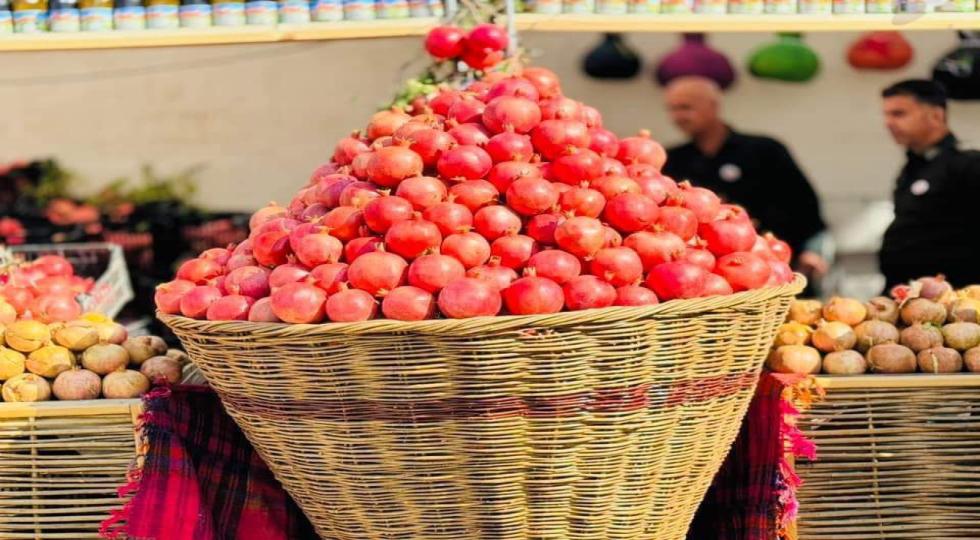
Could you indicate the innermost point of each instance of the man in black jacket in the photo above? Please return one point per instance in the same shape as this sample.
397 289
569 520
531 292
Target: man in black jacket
934 231
756 172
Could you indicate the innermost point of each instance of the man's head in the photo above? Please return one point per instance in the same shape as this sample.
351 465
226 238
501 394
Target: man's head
915 112
694 104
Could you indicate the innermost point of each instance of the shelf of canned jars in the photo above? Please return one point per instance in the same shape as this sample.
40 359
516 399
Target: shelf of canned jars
214 35
565 22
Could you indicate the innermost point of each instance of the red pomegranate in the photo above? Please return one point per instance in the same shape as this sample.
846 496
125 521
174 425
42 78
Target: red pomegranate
677 279
469 297
533 295
588 292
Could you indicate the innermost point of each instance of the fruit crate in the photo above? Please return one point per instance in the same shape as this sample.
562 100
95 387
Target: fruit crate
898 459
102 261
61 464
217 230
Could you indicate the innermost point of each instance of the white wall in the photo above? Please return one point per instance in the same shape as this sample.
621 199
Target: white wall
261 117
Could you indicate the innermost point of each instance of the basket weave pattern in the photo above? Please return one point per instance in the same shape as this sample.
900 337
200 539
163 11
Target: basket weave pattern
61 465
605 424
895 462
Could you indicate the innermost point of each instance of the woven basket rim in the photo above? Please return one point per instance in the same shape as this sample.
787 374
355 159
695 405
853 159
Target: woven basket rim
501 323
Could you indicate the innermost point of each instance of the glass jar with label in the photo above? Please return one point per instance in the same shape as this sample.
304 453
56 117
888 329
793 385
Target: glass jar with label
294 11
95 15
578 6
780 7
229 12
163 14
327 10
710 7
611 7
549 7
6 18
644 6
359 10
418 8
194 14
261 12
844 7
677 6
392 9
816 7
30 16
129 15
747 7
880 6
959 6
64 16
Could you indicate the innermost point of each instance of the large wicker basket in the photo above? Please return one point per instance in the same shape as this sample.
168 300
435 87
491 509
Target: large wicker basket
898 459
61 465
603 424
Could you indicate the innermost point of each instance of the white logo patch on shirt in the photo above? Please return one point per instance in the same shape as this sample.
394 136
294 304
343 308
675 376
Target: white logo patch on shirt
730 172
919 187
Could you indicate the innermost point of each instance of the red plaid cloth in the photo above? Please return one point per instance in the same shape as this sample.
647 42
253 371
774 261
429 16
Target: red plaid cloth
201 479
753 495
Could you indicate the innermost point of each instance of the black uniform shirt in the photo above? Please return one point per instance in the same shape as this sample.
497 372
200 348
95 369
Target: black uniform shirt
759 174
935 228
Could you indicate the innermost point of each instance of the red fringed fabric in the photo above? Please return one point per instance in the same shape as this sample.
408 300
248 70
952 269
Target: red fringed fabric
201 479
753 496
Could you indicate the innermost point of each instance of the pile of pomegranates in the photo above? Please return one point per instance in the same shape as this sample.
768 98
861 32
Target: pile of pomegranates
506 197
44 289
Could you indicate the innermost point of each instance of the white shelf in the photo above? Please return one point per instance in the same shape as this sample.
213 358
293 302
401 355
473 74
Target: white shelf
747 23
215 36
525 22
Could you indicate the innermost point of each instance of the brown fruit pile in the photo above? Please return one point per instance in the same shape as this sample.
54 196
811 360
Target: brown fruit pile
929 327
86 358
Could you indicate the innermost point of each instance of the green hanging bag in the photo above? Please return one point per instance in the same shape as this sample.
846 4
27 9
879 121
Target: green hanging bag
788 59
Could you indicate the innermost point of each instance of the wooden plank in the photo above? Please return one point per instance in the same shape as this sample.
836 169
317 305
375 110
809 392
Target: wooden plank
919 380
215 36
68 408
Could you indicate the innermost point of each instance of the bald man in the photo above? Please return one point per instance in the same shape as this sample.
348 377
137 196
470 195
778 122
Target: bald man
755 172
